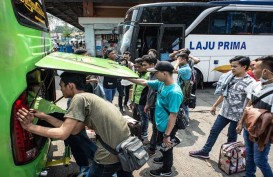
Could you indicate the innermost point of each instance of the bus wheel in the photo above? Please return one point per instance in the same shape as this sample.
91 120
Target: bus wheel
199 79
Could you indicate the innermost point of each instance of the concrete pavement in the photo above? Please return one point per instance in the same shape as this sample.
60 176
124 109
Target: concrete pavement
193 138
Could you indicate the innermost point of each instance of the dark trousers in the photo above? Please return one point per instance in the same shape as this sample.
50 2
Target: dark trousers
126 91
167 155
216 129
82 148
100 170
153 140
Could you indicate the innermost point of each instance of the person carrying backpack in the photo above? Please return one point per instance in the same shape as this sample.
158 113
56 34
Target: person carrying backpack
184 79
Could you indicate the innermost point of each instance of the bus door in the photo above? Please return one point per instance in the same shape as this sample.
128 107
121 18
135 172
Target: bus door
171 38
148 37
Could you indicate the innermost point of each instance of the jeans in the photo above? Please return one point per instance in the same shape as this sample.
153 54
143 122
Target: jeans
186 109
126 89
109 94
100 170
255 158
144 120
153 140
216 129
167 155
82 148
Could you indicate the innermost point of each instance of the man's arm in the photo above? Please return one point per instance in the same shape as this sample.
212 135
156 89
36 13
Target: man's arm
139 81
194 59
173 55
217 102
170 126
241 121
50 119
69 126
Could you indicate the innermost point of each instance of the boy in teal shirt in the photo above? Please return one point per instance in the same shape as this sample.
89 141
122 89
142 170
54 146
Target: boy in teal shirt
169 98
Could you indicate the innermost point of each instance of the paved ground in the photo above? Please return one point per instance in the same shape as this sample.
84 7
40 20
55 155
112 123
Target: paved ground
191 139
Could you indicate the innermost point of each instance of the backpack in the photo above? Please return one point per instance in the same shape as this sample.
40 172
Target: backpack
186 87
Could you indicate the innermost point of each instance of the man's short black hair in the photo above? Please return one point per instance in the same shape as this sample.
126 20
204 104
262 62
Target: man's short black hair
154 51
267 62
183 56
138 60
149 59
243 60
78 79
127 53
187 51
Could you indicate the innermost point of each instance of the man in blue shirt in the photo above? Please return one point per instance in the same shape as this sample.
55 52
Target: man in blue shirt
169 98
184 75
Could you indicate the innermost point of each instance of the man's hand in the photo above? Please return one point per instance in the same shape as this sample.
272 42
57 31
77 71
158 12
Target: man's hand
213 110
38 114
25 117
239 128
146 108
167 142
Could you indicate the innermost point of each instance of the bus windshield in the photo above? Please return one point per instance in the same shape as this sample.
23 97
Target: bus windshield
126 37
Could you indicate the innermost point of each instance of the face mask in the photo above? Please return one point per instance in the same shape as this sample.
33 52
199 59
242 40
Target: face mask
265 80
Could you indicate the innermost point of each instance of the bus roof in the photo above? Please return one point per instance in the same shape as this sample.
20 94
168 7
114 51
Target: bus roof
248 2
171 4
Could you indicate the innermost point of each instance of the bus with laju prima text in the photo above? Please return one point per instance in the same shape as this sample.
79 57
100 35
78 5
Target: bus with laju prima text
215 32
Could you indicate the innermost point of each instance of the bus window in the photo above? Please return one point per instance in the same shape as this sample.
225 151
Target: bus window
181 14
172 39
31 14
151 15
264 23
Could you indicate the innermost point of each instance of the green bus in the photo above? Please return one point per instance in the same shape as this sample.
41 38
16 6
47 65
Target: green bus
27 72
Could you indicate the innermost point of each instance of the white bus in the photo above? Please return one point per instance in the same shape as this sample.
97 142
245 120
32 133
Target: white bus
215 32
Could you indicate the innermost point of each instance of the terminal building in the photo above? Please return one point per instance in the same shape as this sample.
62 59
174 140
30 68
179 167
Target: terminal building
97 18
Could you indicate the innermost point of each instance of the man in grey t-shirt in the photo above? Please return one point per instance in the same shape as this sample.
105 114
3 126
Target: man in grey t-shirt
89 110
232 107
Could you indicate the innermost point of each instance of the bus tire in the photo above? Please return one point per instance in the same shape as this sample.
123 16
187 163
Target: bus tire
199 79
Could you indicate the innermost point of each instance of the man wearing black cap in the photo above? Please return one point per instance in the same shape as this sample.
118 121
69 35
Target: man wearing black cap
169 98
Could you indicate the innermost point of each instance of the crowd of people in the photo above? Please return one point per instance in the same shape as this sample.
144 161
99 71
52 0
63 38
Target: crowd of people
157 97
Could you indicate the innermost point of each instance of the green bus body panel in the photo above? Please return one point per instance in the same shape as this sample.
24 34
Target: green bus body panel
85 64
21 48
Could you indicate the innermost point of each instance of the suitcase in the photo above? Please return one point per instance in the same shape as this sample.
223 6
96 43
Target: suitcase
232 158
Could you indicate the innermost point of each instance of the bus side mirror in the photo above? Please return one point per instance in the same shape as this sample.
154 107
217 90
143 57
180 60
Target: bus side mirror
120 28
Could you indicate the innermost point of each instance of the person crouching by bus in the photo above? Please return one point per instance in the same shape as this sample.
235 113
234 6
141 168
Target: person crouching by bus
89 110
169 98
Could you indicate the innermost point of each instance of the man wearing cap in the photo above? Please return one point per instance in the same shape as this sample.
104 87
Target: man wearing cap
169 98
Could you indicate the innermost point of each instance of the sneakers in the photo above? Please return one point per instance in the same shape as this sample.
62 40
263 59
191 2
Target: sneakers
126 107
150 152
199 154
160 172
158 160
83 171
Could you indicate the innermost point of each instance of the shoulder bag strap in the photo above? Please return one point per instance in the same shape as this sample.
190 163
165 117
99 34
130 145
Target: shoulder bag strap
261 97
106 146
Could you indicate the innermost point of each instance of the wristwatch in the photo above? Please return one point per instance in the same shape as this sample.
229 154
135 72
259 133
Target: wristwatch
165 135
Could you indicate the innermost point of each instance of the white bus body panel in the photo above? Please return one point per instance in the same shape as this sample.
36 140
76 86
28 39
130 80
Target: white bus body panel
217 50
